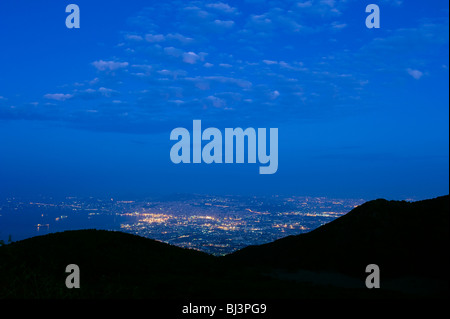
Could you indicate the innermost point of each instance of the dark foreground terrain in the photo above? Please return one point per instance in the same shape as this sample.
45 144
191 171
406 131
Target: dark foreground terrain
408 241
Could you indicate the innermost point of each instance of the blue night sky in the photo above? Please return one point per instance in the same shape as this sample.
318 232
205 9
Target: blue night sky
360 112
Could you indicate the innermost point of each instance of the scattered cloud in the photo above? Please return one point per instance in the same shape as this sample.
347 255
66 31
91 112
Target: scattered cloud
269 62
173 51
216 102
274 95
109 65
416 74
276 54
179 37
305 4
222 7
225 65
154 38
224 24
191 57
133 37
338 26
58 96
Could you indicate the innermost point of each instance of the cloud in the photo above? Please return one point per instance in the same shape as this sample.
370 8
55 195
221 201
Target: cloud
274 95
216 102
229 80
106 92
338 26
109 65
172 73
179 37
134 37
224 24
395 3
249 70
173 51
58 96
191 57
322 8
260 22
152 38
196 12
222 7
416 74
305 4
177 102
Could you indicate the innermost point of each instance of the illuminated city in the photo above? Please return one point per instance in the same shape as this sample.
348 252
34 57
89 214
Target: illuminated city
214 224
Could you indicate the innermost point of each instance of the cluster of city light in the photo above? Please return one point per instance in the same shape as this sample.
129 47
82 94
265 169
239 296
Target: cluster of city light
323 214
212 224
155 218
202 217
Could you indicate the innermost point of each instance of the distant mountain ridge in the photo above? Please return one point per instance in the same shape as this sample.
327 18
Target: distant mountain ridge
406 240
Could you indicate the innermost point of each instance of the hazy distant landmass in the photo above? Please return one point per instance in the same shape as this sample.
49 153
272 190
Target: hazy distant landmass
408 241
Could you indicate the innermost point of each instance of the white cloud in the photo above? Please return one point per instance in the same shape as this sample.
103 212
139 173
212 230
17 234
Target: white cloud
191 57
330 3
58 96
196 12
323 8
109 65
223 79
416 74
145 67
106 92
274 95
224 24
260 20
173 51
216 102
305 4
154 38
338 26
269 62
286 65
177 102
175 74
177 36
395 3
134 37
223 7
94 81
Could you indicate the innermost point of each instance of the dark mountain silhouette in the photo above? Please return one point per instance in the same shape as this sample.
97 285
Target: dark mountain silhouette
408 241
402 238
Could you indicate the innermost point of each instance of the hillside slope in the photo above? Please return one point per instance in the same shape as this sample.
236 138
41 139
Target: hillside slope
402 238
111 264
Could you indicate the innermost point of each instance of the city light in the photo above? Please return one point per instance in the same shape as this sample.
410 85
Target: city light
214 224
